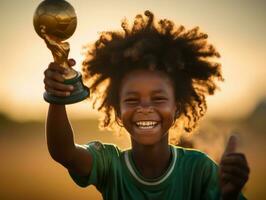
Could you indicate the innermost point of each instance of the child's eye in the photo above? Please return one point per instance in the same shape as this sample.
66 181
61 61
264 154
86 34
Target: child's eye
159 99
131 101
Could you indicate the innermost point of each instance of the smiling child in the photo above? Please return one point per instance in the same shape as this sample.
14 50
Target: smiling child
154 73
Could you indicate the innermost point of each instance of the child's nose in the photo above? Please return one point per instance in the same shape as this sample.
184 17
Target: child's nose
145 107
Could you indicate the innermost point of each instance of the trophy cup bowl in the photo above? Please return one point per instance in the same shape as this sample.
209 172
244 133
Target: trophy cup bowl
55 21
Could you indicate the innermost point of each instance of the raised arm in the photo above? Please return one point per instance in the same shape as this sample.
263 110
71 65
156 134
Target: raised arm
59 133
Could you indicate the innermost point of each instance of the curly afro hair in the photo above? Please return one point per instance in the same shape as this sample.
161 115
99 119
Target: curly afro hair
182 54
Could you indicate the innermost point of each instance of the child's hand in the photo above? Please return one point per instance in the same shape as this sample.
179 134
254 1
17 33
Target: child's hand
54 78
233 172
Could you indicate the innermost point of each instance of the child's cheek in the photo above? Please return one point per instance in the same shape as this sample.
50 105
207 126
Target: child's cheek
126 115
168 115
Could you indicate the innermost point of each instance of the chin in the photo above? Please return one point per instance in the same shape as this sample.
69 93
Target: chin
147 140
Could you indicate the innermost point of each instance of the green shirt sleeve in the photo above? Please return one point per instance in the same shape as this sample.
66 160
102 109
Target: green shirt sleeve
102 158
210 180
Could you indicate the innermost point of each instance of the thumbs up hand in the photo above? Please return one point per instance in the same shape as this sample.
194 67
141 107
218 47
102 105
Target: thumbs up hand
233 171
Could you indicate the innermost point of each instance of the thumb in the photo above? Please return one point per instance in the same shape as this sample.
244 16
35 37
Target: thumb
231 145
71 62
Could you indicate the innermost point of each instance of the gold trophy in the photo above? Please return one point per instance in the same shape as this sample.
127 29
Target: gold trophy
55 21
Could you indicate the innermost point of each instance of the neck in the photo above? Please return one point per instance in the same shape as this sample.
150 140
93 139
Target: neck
151 160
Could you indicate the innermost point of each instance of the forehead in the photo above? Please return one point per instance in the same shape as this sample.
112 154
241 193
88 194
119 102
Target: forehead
146 80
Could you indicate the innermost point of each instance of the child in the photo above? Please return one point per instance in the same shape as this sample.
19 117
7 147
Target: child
155 75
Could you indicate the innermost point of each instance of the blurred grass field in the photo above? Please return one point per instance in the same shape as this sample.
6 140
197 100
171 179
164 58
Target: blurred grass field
28 172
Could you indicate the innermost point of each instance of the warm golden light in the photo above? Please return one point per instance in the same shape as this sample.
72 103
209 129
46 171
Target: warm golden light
240 42
236 28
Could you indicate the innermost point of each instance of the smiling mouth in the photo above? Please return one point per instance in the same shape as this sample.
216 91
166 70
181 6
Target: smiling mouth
145 125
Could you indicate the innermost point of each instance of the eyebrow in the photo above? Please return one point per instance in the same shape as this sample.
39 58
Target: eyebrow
160 91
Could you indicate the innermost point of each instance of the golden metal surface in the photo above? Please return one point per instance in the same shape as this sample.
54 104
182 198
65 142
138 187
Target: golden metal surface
55 21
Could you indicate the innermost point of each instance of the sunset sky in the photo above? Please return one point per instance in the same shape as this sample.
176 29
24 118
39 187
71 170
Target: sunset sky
236 28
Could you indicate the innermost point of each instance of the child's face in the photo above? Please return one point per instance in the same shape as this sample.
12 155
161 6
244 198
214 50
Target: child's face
147 105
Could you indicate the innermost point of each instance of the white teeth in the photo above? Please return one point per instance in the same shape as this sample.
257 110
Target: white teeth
145 127
146 124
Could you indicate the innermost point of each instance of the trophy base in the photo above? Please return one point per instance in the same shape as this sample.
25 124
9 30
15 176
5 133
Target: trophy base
79 93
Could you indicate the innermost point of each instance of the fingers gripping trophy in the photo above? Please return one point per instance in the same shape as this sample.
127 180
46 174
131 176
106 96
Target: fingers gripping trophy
55 21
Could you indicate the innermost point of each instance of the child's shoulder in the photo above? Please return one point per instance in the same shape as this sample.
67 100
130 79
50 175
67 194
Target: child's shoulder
188 151
98 146
193 155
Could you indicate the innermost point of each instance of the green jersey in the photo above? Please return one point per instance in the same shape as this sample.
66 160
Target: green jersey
191 175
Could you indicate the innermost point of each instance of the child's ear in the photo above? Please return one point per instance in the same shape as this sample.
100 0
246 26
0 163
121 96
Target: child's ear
117 114
177 110
118 118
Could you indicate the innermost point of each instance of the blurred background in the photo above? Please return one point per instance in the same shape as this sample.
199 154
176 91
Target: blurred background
236 28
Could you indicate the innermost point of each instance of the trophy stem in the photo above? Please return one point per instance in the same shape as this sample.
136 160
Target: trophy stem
60 51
